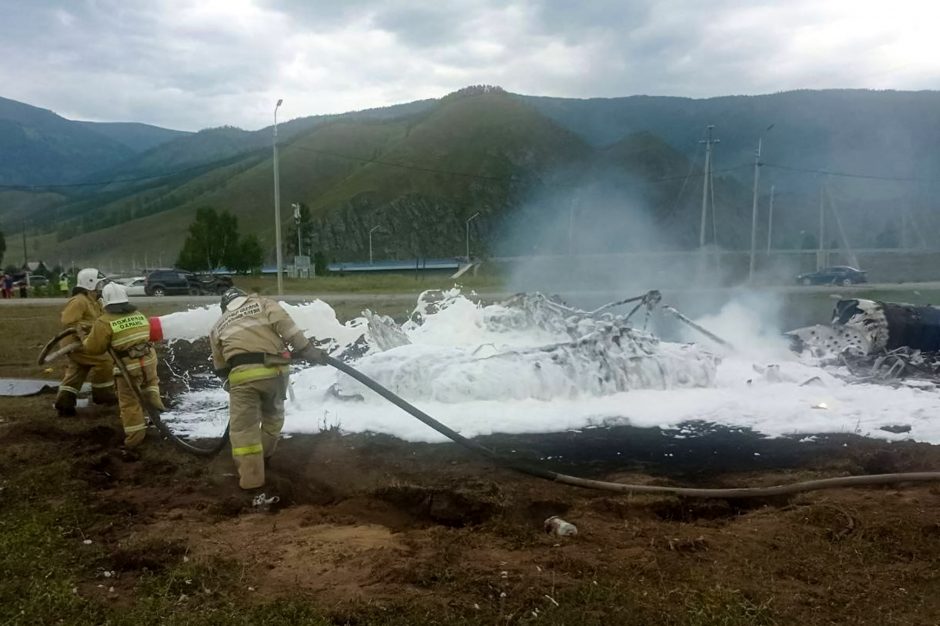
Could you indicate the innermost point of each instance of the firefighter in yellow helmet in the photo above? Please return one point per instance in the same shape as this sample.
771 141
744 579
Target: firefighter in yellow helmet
80 313
249 350
126 330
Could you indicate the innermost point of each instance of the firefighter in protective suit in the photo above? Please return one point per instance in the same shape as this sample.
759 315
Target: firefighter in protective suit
126 330
249 351
80 313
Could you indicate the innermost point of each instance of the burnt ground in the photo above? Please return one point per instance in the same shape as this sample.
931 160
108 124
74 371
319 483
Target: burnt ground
374 530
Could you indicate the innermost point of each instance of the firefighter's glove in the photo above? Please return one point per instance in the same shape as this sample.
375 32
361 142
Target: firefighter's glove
315 355
223 373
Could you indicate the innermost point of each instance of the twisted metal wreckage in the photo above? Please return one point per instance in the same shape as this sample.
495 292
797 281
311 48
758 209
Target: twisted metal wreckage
880 342
604 353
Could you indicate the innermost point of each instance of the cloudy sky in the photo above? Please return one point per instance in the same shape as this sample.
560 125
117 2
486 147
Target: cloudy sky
190 64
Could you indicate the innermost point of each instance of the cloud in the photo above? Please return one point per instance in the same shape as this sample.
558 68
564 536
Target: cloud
191 64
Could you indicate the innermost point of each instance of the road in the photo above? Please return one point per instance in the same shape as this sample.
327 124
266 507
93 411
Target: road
410 297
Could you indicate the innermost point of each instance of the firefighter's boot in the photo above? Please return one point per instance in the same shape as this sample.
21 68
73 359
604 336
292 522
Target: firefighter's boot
104 394
65 403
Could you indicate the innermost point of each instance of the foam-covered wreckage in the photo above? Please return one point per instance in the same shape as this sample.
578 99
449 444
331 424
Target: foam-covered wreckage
453 349
538 347
879 341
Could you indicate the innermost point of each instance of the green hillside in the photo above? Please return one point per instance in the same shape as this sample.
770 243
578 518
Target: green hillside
418 178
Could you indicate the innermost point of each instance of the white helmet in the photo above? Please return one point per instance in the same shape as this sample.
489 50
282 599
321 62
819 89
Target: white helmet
89 278
114 293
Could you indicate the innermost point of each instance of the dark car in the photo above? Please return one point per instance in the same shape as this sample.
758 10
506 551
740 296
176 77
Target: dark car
180 282
836 275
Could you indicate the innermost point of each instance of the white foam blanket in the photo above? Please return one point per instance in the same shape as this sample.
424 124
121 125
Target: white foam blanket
533 365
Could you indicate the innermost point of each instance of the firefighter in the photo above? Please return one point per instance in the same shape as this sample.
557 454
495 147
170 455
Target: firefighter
80 312
249 351
64 284
126 330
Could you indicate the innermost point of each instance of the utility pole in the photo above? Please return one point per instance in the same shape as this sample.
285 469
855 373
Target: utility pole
25 257
822 230
708 141
770 221
571 208
296 208
903 238
277 210
753 258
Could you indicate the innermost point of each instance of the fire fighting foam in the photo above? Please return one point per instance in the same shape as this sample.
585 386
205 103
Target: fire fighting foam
531 365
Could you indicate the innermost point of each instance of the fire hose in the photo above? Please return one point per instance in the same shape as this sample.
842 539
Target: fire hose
691 492
211 448
525 468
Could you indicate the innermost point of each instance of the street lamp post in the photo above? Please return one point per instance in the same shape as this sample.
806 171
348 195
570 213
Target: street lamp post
470 219
770 221
277 209
371 230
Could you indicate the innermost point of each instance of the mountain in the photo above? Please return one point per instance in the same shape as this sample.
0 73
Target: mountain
547 175
882 133
138 137
342 169
38 147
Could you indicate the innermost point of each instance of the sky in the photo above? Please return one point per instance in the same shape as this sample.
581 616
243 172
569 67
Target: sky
190 64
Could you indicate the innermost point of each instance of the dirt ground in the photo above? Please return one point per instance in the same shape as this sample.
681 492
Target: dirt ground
374 530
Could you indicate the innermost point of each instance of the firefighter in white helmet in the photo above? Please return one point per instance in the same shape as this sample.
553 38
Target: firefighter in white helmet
80 313
249 350
127 331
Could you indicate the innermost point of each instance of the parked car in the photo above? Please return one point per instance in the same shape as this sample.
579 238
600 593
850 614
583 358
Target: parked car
35 280
181 282
836 275
136 286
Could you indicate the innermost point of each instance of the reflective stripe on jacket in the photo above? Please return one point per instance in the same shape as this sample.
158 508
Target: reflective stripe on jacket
128 331
122 332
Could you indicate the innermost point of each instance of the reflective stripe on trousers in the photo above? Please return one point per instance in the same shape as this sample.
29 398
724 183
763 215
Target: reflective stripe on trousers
256 416
256 372
255 448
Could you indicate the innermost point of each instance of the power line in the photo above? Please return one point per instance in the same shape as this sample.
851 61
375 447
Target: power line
905 179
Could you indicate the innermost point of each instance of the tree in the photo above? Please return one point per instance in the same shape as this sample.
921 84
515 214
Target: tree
212 240
320 265
248 255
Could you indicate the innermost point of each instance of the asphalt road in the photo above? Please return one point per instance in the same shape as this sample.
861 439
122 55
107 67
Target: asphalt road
409 297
